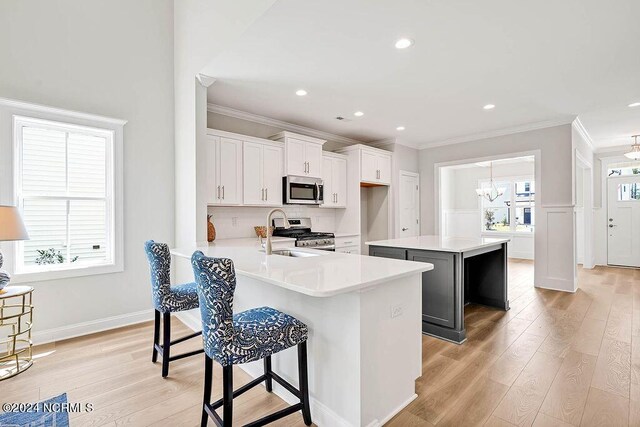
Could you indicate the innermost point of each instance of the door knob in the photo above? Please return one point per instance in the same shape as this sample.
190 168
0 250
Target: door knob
405 228
611 225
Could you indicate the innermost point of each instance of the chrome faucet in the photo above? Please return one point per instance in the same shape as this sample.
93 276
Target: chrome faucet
268 249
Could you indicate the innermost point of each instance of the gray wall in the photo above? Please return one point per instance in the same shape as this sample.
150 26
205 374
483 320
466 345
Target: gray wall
112 58
555 223
554 144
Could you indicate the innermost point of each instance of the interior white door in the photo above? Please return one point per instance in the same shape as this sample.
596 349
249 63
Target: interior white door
623 221
296 162
230 170
252 174
272 175
313 156
409 202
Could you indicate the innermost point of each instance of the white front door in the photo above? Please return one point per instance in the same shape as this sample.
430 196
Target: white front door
409 204
623 221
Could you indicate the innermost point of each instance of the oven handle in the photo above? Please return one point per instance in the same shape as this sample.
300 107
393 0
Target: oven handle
317 193
323 247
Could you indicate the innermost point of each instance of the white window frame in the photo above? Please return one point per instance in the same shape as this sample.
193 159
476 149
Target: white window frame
512 227
25 113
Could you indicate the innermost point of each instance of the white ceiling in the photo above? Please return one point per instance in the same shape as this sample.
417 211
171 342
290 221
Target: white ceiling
541 61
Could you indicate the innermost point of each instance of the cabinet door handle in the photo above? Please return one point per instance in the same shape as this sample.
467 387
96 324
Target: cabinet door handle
405 228
223 192
266 194
218 194
262 198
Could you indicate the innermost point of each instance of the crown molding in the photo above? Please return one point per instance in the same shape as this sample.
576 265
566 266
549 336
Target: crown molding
28 106
498 132
616 149
286 126
579 127
205 80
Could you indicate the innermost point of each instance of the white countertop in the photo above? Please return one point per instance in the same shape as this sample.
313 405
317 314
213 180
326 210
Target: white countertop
339 235
439 243
325 275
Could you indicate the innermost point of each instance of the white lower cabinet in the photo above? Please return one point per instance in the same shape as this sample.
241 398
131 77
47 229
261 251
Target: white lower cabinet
262 176
348 244
349 250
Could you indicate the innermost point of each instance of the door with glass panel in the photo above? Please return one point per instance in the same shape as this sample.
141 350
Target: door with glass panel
623 221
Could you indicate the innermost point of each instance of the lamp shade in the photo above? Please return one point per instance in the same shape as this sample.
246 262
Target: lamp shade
11 224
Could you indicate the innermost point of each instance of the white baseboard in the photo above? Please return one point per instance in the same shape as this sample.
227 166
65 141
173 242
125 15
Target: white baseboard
90 327
551 288
397 410
191 319
521 255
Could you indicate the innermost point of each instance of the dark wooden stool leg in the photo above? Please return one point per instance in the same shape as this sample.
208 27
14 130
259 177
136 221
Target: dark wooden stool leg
227 395
303 379
166 343
208 376
156 335
268 381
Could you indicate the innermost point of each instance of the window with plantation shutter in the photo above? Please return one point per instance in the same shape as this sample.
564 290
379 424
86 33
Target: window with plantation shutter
64 186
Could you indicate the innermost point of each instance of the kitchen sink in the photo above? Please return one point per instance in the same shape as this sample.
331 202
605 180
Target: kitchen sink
290 253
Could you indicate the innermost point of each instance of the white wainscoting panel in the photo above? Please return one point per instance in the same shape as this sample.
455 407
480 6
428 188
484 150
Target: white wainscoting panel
466 223
555 247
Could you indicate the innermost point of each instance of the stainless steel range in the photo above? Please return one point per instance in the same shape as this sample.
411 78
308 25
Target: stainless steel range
301 230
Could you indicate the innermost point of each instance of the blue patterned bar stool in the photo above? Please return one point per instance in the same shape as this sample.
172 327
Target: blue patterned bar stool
232 339
166 300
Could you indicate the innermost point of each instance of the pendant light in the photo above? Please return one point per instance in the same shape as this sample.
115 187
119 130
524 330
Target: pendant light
634 154
493 192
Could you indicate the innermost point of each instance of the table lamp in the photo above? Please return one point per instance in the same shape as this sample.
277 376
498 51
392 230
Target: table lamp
11 228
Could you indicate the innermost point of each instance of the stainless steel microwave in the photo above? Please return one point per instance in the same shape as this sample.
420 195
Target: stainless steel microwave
302 190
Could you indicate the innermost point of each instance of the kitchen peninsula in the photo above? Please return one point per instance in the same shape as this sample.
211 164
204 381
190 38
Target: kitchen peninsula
363 314
467 270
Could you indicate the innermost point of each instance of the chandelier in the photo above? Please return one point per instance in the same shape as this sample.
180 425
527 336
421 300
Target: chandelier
492 192
634 154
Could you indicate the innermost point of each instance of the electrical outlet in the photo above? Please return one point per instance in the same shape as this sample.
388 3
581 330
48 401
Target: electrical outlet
396 310
234 221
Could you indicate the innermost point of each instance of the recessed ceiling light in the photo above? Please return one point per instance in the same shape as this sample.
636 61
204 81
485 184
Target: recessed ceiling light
400 128
403 43
301 92
358 114
634 104
489 107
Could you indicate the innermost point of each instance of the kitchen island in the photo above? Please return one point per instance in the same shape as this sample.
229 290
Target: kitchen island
467 270
363 314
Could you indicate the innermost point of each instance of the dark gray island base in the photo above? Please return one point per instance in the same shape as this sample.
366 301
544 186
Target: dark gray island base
465 271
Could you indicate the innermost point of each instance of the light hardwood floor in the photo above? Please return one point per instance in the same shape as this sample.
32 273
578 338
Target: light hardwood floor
554 359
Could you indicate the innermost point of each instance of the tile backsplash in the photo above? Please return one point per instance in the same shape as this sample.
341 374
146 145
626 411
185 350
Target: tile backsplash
237 222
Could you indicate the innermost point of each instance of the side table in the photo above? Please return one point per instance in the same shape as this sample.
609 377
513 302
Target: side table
16 319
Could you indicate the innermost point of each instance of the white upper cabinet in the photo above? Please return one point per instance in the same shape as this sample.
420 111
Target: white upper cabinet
375 164
303 154
334 176
375 167
369 166
224 170
262 174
